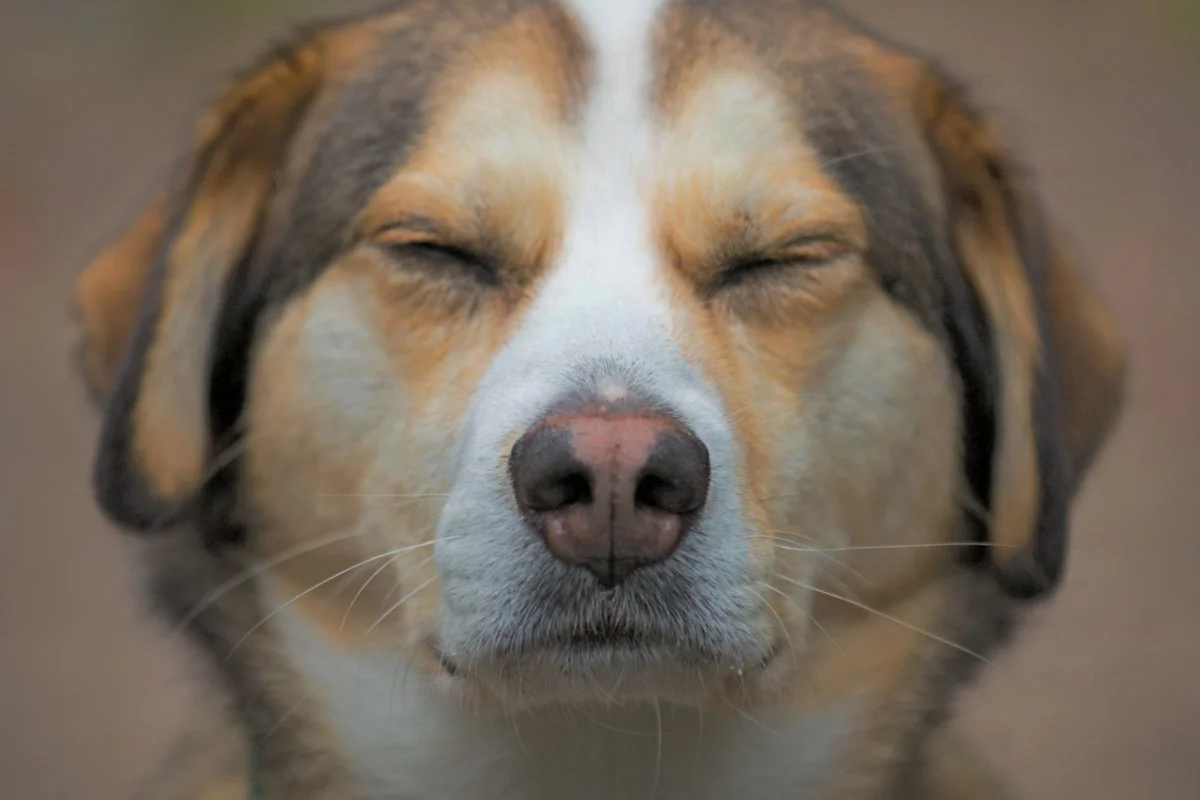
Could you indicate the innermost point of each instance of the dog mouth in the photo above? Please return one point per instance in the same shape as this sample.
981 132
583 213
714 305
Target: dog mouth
627 651
605 638
601 635
606 662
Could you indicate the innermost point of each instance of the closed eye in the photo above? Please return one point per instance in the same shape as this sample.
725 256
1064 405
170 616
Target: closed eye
420 248
810 253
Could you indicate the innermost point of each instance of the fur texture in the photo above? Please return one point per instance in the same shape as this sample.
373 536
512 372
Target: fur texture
406 238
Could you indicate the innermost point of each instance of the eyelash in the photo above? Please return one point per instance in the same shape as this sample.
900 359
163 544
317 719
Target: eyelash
479 267
808 255
818 254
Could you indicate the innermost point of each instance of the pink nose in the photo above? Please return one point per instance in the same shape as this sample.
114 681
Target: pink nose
610 490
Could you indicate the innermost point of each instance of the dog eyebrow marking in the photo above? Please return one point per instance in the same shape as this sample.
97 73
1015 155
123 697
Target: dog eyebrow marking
487 172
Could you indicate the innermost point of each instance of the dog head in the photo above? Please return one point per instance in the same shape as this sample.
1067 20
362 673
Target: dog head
597 350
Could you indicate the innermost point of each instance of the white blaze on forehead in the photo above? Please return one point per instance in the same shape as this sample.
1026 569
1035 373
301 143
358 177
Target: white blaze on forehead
607 254
601 317
600 321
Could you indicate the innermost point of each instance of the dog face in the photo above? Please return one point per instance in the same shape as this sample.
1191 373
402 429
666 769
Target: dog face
602 351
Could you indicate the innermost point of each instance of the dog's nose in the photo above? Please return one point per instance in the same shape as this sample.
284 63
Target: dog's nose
610 490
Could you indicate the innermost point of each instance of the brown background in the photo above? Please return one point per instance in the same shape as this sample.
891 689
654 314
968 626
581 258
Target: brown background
1100 698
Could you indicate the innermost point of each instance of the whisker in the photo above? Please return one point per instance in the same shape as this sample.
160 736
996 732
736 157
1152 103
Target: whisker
976 509
750 719
396 681
776 497
916 546
885 616
613 728
573 724
316 586
517 730
832 639
367 583
813 619
599 687
396 606
283 719
816 689
249 574
226 456
857 154
733 415
800 547
222 459
786 634
789 536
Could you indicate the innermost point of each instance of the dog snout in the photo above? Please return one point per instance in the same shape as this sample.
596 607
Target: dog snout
610 489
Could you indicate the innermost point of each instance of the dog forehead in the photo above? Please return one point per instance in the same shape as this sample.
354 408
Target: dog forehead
840 91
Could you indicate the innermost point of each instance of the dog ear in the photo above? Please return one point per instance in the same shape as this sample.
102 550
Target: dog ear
107 297
151 302
1044 394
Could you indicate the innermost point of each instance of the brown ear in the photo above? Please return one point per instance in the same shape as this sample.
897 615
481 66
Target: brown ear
107 297
150 303
1054 378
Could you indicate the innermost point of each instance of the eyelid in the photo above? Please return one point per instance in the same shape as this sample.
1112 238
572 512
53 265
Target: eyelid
409 238
401 235
397 237
810 252
811 249
816 248
836 241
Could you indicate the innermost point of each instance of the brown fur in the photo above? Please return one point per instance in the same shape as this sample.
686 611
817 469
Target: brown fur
903 627
108 296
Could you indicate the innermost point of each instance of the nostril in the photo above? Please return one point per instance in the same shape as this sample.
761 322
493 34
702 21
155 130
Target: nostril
660 494
558 492
671 496
545 474
675 477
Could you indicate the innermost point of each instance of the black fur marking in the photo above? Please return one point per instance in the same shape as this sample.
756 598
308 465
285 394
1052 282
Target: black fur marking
1040 569
363 142
1037 571
120 490
918 264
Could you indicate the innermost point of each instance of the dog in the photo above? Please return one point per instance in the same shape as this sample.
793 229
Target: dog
531 400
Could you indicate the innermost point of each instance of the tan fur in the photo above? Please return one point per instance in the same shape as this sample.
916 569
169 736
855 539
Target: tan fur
108 295
488 173
1094 359
245 139
381 355
1091 353
994 268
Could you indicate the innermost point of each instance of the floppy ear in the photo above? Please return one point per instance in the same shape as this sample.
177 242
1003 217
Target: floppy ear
1050 383
150 303
107 297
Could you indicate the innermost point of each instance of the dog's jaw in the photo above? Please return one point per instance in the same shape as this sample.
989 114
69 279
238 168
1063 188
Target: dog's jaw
403 735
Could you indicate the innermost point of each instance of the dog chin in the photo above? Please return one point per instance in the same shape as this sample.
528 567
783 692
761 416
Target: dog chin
587 673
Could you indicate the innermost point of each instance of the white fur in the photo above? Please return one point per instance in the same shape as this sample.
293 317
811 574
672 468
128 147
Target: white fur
407 741
600 322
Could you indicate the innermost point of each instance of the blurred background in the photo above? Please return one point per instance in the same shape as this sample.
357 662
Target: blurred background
1101 697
